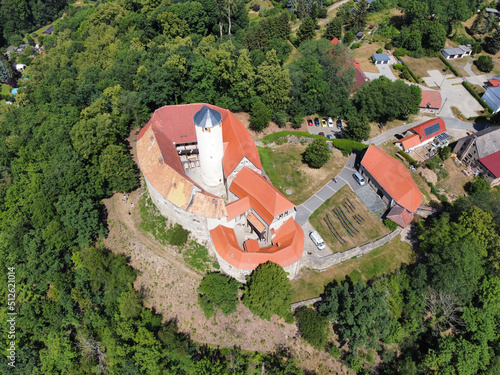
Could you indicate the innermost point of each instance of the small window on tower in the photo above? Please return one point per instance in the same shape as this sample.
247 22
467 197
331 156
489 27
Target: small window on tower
160 159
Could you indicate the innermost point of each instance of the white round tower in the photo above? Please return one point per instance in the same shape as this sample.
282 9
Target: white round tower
208 124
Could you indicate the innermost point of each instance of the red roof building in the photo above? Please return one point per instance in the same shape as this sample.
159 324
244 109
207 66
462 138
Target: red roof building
423 133
335 40
493 82
286 249
431 100
492 163
392 178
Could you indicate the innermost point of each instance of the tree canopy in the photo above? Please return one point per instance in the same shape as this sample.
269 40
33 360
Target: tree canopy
218 291
268 292
317 153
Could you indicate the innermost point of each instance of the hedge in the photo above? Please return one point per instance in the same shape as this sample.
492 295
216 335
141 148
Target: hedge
345 145
408 158
415 78
453 70
434 191
475 95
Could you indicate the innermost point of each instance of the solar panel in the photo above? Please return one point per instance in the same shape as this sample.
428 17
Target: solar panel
430 130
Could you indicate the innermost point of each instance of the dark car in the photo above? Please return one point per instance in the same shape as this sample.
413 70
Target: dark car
339 123
309 122
321 133
329 136
316 121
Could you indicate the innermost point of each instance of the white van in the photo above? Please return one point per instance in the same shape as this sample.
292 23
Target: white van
318 241
359 179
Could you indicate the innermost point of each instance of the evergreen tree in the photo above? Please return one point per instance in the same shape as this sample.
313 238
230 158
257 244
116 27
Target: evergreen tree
334 29
493 43
260 116
306 30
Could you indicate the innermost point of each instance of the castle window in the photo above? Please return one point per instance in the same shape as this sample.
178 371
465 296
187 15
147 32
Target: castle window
160 159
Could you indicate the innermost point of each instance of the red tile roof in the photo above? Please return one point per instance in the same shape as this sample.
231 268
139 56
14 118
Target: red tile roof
335 40
359 77
257 224
160 163
431 99
410 141
238 207
394 178
421 129
238 144
400 216
265 199
287 248
492 163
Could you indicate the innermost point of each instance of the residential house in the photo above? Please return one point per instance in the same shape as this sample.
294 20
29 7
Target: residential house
457 52
492 98
424 133
393 183
431 101
381 58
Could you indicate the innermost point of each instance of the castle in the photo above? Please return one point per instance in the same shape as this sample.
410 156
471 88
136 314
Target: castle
203 171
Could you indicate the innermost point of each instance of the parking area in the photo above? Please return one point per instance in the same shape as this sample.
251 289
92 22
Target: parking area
334 131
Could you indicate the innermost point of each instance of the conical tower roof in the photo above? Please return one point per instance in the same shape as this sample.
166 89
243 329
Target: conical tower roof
207 117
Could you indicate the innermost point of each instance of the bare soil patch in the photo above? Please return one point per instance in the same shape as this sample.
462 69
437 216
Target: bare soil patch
454 183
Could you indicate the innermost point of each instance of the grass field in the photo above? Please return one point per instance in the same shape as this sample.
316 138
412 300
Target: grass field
363 54
293 174
382 260
421 65
369 230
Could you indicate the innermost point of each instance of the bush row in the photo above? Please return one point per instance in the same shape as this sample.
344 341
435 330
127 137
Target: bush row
478 98
398 55
443 198
345 145
408 158
451 67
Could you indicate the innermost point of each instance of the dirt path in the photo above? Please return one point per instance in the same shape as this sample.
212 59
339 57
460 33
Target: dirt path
329 14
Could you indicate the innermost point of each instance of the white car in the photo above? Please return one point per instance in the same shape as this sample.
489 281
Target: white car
330 122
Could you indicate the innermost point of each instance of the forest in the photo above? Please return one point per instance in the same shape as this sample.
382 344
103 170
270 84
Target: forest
63 149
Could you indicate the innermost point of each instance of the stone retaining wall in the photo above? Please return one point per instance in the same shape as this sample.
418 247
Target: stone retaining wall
329 260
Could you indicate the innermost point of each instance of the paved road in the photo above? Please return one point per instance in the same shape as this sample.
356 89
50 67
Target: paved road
451 123
312 204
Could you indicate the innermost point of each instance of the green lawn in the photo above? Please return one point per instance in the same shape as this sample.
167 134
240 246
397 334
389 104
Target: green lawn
283 165
369 230
383 260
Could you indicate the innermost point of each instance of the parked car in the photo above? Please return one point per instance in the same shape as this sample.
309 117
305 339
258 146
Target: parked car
316 121
309 122
323 123
339 123
329 136
330 122
321 133
359 179
318 241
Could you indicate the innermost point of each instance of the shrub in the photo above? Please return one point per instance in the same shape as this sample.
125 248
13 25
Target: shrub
260 116
312 326
398 66
477 184
348 37
177 235
297 121
388 46
317 153
256 7
390 224
380 50
346 146
444 153
280 118
355 45
335 352
484 63
408 158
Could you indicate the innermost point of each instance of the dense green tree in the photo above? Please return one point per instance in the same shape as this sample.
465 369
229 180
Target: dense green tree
218 291
312 326
260 116
357 128
268 292
317 153
5 70
118 168
334 29
477 184
306 30
348 37
484 63
273 83
361 312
